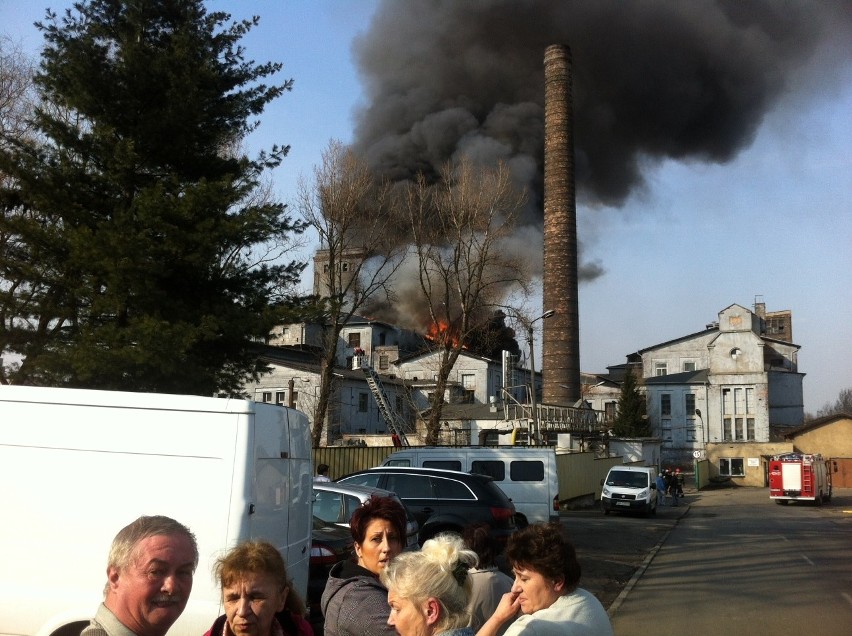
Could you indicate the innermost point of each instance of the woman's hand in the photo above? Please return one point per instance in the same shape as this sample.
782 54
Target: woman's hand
506 609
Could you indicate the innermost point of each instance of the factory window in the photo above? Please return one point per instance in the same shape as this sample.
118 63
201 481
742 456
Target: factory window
690 404
738 416
383 362
666 405
661 368
362 402
279 398
267 397
469 386
731 467
689 365
354 339
609 411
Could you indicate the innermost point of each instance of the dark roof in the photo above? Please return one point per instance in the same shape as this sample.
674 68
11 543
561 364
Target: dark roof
426 352
470 412
681 339
814 424
685 377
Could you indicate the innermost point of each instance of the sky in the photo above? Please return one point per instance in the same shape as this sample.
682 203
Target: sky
772 219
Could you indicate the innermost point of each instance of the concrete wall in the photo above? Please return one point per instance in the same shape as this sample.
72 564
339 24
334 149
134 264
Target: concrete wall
832 439
753 456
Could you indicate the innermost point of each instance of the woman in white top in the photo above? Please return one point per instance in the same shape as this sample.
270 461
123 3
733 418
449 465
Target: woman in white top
545 589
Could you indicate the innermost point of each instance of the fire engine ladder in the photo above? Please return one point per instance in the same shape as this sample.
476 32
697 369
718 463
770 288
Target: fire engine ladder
392 419
807 480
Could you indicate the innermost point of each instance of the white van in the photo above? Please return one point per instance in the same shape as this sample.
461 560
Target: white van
630 489
77 466
527 475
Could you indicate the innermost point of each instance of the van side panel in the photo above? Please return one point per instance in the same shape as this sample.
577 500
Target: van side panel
79 465
528 476
282 500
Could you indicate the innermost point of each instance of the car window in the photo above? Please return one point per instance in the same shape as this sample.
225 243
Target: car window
494 469
410 486
328 506
446 464
527 471
352 504
451 489
363 479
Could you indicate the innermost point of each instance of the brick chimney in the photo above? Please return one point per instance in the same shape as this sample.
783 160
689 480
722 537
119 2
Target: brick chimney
561 333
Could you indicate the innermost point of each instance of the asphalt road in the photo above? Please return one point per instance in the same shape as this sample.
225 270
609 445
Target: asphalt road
731 562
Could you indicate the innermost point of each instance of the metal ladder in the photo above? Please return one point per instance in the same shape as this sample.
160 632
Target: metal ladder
392 419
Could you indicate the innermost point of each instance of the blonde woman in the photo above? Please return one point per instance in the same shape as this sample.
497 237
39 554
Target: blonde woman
429 591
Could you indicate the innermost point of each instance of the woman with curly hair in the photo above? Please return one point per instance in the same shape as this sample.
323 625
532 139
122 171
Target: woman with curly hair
546 590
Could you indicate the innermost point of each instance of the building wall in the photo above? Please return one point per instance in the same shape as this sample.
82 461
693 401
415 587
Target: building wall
483 375
832 439
352 406
753 458
786 399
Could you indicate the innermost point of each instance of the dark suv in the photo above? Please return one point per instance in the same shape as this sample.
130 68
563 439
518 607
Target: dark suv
443 500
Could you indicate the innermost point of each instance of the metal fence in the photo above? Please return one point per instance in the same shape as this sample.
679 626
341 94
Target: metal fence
579 474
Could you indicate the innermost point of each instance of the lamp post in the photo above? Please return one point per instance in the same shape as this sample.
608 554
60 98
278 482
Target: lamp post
535 432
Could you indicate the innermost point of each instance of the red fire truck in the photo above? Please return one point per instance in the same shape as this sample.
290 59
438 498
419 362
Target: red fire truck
799 477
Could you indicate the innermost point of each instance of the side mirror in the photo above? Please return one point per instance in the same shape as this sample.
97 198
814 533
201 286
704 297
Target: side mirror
602 481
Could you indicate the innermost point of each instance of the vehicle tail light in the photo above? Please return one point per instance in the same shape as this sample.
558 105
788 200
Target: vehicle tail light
556 503
322 555
502 514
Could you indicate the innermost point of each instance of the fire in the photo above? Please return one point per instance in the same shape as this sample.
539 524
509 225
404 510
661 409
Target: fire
442 332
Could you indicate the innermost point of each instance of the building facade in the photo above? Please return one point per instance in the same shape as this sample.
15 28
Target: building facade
730 383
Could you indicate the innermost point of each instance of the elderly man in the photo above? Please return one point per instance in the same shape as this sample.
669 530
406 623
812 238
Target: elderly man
149 578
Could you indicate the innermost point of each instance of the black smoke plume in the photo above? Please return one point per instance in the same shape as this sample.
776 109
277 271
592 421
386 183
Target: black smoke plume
653 79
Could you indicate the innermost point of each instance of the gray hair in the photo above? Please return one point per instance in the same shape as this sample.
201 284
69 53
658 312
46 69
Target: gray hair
124 545
440 571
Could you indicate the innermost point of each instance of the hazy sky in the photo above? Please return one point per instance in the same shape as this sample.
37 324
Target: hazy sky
775 220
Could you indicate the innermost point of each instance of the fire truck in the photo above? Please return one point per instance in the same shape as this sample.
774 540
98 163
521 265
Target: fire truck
799 477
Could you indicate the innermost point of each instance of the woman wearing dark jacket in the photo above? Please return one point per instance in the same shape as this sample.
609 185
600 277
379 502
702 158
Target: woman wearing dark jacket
258 596
355 603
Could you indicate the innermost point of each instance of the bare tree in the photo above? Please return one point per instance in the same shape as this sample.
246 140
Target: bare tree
462 229
843 404
16 91
351 212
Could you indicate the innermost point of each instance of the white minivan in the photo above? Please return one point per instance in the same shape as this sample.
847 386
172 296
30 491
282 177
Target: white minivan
527 475
630 489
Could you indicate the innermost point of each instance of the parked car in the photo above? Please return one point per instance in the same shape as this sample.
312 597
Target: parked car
443 500
335 503
330 544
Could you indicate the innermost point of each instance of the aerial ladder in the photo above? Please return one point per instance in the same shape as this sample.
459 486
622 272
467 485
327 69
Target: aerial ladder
395 423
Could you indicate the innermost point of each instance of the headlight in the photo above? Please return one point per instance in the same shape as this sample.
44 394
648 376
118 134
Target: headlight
642 494
605 491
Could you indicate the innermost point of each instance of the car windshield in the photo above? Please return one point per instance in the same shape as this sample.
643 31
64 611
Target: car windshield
627 479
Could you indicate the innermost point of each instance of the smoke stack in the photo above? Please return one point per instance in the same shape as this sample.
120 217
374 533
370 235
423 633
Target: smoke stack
561 338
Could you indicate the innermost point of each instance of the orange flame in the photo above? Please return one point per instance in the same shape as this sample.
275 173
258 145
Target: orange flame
442 332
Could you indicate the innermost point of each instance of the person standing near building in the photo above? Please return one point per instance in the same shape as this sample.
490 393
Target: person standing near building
149 578
661 489
322 473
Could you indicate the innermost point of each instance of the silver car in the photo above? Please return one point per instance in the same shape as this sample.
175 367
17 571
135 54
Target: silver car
335 503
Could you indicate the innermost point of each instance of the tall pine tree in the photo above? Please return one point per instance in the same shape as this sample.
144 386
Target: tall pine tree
133 243
631 419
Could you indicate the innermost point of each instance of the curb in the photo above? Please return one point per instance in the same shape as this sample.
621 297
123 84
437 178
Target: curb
644 566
